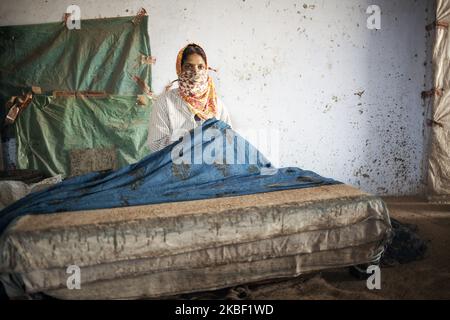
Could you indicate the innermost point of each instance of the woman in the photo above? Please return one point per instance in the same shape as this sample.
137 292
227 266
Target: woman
189 105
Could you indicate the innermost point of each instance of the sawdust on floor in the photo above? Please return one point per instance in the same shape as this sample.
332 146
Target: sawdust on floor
425 279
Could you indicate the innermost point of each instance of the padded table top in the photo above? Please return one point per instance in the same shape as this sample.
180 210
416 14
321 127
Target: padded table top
318 227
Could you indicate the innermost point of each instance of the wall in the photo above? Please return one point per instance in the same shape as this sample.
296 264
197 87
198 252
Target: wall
344 99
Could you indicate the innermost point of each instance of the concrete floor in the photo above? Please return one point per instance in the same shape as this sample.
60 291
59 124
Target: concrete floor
425 279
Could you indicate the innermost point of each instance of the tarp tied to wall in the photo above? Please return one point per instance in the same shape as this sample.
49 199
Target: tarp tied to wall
103 55
439 159
93 87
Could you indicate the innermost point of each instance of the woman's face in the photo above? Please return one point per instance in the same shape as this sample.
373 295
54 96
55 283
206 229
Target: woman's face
194 62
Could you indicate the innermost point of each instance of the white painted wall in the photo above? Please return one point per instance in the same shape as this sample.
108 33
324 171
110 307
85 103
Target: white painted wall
296 66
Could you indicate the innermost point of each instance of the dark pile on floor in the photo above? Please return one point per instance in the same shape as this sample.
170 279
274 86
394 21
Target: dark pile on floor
405 246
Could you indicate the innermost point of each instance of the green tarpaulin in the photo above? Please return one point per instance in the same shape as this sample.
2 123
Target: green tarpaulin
104 55
50 128
61 125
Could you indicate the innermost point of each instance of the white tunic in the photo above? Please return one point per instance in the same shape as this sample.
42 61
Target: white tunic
171 115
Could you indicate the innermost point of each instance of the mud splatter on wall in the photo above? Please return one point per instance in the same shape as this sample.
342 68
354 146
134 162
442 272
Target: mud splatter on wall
346 100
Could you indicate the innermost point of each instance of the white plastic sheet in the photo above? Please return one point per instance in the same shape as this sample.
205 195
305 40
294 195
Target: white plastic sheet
439 159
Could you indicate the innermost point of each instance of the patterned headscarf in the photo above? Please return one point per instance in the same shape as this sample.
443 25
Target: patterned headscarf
197 89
